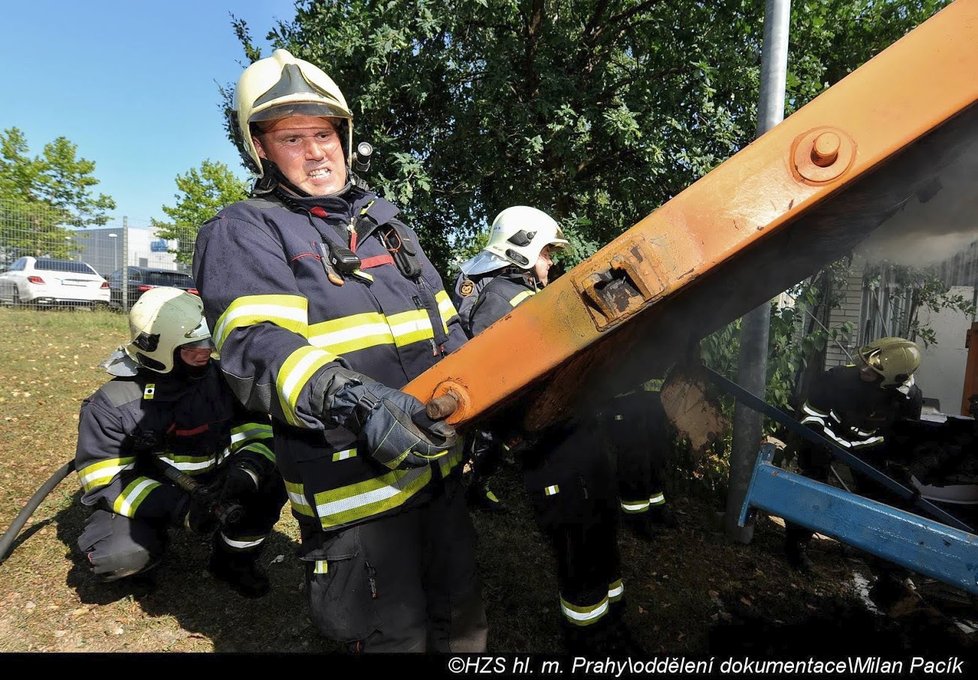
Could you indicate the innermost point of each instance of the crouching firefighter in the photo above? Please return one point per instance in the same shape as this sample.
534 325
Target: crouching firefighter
165 444
856 406
323 307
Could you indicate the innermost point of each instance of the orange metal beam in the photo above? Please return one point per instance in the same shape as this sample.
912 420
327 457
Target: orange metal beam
795 199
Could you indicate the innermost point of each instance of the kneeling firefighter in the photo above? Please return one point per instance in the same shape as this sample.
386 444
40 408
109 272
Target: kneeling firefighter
165 444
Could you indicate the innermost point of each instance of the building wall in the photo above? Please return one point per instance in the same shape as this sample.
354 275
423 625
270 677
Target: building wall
849 311
942 366
109 248
876 314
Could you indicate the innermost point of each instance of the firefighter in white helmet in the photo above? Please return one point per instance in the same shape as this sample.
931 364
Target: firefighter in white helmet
168 419
856 407
568 477
514 264
323 306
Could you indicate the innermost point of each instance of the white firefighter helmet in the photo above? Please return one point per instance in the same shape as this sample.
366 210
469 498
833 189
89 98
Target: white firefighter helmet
893 359
518 235
162 320
280 86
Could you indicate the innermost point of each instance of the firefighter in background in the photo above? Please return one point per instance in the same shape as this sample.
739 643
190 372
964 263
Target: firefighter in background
513 266
856 407
637 432
567 473
323 307
168 406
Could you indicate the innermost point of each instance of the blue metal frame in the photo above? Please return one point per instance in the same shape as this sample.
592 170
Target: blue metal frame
917 543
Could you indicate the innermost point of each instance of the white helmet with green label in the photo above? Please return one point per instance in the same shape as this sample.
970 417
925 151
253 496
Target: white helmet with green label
162 320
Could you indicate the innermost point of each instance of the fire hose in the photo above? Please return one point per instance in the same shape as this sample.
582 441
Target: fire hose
8 538
225 512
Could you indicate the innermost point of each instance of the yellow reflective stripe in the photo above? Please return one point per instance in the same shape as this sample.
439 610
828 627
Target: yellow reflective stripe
446 463
657 499
634 507
249 432
133 495
291 312
192 465
411 326
243 543
99 474
365 499
834 437
872 441
351 333
261 450
583 615
552 490
518 298
616 590
445 308
812 411
322 567
293 375
360 331
297 497
344 455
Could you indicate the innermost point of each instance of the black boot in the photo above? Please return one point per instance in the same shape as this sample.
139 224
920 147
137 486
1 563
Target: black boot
663 516
796 540
238 568
481 497
607 637
642 526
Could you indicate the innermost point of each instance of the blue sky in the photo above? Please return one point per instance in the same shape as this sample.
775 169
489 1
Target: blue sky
133 84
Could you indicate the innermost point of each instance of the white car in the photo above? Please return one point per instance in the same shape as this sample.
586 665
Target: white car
52 283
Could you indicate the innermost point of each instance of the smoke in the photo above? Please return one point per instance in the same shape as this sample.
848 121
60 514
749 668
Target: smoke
940 221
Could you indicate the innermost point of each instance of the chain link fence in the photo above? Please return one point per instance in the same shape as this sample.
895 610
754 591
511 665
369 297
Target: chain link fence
44 264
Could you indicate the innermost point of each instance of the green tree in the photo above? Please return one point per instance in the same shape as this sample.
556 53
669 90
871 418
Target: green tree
595 110
202 193
42 196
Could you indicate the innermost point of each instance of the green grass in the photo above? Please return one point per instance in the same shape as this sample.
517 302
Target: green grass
49 602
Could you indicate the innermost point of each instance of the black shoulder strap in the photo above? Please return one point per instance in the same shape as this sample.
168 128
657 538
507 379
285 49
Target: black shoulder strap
380 215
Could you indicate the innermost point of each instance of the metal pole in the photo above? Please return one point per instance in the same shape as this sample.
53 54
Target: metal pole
125 264
752 363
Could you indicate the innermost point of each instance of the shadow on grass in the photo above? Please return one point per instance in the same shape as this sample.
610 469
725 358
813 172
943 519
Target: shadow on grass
180 587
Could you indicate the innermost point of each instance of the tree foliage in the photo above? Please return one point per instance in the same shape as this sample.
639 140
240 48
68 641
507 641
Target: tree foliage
42 196
202 192
597 111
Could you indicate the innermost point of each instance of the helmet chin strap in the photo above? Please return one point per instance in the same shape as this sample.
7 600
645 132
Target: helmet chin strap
274 182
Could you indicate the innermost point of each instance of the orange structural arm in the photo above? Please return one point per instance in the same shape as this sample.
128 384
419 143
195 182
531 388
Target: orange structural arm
795 199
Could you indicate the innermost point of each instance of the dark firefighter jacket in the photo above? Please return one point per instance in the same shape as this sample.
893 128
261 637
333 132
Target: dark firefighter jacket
856 414
493 296
281 322
193 424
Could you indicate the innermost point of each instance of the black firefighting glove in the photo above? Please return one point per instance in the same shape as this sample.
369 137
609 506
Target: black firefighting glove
393 426
195 512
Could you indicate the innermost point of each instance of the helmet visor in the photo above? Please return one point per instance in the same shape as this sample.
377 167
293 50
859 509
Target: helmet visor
484 262
287 109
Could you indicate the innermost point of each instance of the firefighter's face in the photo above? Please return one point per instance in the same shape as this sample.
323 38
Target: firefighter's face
308 152
544 263
195 357
867 374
